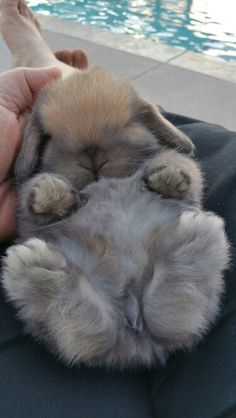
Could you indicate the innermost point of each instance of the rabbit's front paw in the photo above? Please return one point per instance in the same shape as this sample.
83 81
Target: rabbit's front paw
169 181
51 196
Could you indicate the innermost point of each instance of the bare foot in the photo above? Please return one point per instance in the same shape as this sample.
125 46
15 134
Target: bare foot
22 34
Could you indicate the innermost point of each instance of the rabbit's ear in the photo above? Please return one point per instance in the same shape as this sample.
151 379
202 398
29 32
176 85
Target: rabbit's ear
28 156
167 133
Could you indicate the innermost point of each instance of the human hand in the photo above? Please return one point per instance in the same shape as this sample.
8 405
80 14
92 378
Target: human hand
18 90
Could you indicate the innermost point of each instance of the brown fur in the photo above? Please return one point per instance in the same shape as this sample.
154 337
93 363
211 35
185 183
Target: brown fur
94 124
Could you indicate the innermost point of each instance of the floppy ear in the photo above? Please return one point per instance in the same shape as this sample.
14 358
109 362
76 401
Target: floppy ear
28 156
167 133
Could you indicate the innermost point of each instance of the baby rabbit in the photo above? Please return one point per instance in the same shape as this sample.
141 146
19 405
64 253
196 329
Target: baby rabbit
123 272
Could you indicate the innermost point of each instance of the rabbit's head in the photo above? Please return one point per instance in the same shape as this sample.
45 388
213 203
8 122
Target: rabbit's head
93 124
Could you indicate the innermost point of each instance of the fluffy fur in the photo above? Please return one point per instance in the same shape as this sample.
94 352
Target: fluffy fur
132 274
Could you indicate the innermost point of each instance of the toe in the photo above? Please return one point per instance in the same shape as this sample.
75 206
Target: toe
10 6
23 9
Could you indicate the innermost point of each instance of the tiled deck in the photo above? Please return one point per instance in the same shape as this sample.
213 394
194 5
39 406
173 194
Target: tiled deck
162 81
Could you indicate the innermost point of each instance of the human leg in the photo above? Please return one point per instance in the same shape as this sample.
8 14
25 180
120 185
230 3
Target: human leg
22 34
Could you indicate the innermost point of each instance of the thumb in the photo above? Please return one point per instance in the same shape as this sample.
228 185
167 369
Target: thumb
19 87
37 78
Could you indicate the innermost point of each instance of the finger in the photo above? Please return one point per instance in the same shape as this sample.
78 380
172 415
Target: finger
79 59
7 211
65 56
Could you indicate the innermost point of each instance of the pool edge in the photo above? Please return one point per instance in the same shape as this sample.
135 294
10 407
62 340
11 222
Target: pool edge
179 57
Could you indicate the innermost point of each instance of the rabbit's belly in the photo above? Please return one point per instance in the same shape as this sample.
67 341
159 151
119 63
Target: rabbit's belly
113 239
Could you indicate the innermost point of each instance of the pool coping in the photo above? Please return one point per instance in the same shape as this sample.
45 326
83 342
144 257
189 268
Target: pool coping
160 52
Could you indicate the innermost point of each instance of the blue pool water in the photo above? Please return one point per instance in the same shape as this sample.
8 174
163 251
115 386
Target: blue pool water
206 26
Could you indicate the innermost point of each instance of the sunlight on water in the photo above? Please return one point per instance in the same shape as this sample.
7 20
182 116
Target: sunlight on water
207 26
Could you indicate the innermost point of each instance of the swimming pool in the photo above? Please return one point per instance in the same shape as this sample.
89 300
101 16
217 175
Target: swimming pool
206 26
